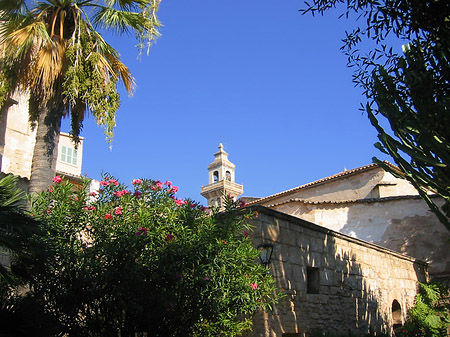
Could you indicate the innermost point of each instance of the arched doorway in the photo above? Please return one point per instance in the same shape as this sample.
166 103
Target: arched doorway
396 315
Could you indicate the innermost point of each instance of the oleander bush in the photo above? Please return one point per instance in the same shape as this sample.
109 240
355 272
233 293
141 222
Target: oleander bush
140 262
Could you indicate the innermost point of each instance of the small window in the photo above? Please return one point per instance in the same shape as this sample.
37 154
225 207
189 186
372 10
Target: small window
69 155
312 280
228 175
216 176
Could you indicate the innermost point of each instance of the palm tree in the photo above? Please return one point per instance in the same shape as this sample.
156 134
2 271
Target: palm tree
53 51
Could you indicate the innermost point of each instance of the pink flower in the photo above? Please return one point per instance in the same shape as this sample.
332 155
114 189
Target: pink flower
114 182
206 278
153 188
180 202
193 205
159 185
48 211
104 183
168 183
118 211
169 237
174 189
137 193
243 203
136 181
141 231
93 194
246 234
50 190
89 208
204 208
108 216
121 193
57 179
254 286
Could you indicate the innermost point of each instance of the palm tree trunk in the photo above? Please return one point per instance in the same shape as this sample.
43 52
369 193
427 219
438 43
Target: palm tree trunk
43 166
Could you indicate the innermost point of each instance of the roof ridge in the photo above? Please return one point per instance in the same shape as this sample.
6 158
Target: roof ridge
347 201
332 177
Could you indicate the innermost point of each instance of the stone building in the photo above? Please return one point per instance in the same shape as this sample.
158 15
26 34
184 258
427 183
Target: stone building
332 282
17 140
369 203
342 250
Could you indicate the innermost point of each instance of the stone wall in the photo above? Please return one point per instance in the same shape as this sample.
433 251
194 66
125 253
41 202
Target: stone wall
332 282
17 140
405 225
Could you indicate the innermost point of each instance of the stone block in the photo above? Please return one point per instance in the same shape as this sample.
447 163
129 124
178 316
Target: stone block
288 237
316 245
329 261
327 277
295 255
272 232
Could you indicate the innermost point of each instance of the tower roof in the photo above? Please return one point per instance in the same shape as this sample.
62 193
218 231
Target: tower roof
221 159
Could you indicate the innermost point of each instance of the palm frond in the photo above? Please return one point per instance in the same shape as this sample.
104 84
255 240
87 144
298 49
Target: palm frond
110 59
19 42
123 71
10 194
49 63
126 4
9 6
121 21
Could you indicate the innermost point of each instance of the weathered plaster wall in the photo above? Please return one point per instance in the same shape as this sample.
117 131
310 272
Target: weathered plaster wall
358 281
19 140
404 225
370 183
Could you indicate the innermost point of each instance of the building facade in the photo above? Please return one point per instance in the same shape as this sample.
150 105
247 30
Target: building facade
17 141
333 283
369 203
328 256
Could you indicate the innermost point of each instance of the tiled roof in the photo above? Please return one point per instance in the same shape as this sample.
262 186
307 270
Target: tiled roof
249 199
321 181
70 175
349 201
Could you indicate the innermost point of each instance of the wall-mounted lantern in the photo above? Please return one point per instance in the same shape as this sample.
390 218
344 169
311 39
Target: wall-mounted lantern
265 253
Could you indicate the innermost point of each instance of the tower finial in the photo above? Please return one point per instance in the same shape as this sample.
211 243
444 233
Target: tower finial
221 180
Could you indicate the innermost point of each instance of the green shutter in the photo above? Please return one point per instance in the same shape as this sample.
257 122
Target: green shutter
63 154
69 155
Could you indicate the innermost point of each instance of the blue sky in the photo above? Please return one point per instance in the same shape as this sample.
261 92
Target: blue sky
259 77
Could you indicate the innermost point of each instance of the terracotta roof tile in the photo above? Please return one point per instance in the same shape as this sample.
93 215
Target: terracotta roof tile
320 181
349 201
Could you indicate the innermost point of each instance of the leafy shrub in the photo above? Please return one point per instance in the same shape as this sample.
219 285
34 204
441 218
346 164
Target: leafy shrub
429 317
142 262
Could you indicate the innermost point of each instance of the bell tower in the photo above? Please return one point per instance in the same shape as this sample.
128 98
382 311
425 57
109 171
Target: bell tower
221 180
